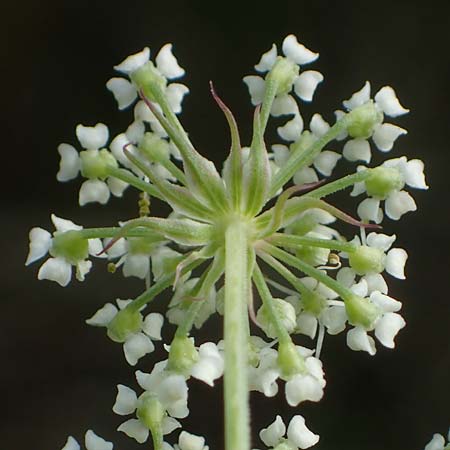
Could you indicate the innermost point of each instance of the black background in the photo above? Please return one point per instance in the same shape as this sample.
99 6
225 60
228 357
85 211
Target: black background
57 375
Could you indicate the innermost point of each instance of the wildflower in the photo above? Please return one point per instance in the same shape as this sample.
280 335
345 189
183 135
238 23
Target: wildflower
92 442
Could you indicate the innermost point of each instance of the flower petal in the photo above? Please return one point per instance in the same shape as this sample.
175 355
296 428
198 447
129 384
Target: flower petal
380 241
385 135
369 209
136 266
64 224
272 435
56 269
359 340
291 130
69 166
326 161
116 186
133 62
188 441
256 87
297 52
413 173
306 83
103 316
318 125
92 138
93 191
284 105
71 444
358 98
152 325
94 442
136 346
357 150
387 328
437 443
210 365
399 203
387 100
175 93
135 429
126 400
167 64
40 243
124 92
267 60
300 435
301 388
395 263
385 303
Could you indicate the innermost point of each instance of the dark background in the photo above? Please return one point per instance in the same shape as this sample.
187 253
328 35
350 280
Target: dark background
57 375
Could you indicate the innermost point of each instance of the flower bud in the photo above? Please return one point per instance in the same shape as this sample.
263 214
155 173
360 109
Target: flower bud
285 312
70 245
289 360
149 410
284 72
125 323
182 355
384 180
363 120
155 148
94 163
361 311
148 79
365 260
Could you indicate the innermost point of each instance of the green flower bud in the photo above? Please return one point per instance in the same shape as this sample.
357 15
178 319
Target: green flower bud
382 181
283 72
285 312
182 355
70 245
149 410
155 148
365 260
94 163
289 360
363 119
148 79
125 323
361 312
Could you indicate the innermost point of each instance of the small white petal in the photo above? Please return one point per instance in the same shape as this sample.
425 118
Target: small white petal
360 288
346 276
256 87
167 64
399 203
92 138
306 83
210 364
326 161
152 325
437 443
136 266
93 191
358 189
116 186
69 166
387 100
135 131
385 303
56 269
305 175
380 240
357 150
124 92
385 135
297 52
268 382
71 444
307 324
118 249
169 424
280 154
94 442
291 130
318 125
284 105
172 393
369 209
301 388
126 400
395 263
343 134
376 282
272 435
135 429
64 224
387 328
136 346
188 441
83 267
133 62
103 316
116 147
334 319
300 435
358 98
267 60
40 242
413 173
359 340
175 93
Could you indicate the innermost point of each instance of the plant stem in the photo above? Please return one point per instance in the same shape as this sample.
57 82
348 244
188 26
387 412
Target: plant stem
339 185
129 178
236 396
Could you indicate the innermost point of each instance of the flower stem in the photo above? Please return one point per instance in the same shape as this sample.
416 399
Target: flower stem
237 426
289 240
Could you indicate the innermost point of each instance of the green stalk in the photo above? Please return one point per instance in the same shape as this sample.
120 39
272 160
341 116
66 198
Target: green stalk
111 232
236 395
290 240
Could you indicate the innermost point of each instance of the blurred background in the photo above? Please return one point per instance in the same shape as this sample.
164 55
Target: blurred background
59 376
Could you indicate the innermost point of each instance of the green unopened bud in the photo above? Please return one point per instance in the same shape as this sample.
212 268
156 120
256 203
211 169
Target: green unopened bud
313 302
363 119
70 245
125 323
289 360
94 163
150 411
182 355
382 181
285 312
155 148
365 260
361 312
149 79
283 72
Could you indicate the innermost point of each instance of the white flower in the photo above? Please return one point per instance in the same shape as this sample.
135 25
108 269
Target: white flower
188 441
127 403
125 91
298 435
66 250
397 201
384 135
92 163
437 442
136 345
91 440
